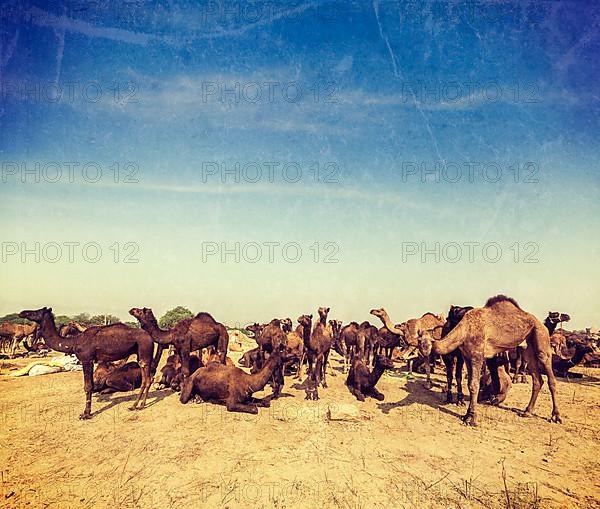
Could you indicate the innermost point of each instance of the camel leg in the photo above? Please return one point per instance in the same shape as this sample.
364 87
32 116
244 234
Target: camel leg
88 386
536 378
157 357
460 361
427 371
118 385
359 395
299 372
449 363
377 395
474 366
325 357
261 402
544 357
185 361
146 379
248 408
518 361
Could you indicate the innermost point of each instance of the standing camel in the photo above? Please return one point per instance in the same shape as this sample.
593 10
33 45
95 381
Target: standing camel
412 332
187 335
11 334
317 343
498 326
97 344
454 360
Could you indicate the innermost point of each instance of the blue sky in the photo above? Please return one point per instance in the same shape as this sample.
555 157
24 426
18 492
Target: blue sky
382 85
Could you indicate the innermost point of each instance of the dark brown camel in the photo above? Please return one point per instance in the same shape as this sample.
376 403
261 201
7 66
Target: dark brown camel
117 377
371 340
499 325
286 325
317 344
96 344
231 385
272 338
517 354
350 344
454 360
361 382
187 335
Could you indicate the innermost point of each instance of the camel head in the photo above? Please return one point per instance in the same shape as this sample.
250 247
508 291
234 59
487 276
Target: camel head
384 362
286 324
425 342
35 315
255 329
323 312
379 313
305 320
336 326
143 315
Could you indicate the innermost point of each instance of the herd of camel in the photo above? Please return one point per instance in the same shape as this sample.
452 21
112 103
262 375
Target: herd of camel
199 366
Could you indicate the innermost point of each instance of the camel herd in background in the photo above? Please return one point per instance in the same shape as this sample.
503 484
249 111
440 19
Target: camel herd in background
199 367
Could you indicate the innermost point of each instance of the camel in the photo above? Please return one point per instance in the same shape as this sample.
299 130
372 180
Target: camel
231 385
117 377
272 338
562 366
100 343
294 349
70 329
553 319
371 340
454 361
387 342
187 335
286 325
411 332
498 326
317 343
11 334
350 344
361 382
517 355
488 391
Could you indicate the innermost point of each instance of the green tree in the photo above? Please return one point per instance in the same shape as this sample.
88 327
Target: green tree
171 317
14 318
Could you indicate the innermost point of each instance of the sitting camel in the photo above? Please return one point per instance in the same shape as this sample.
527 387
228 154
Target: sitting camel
231 385
117 377
488 392
361 382
499 325
100 343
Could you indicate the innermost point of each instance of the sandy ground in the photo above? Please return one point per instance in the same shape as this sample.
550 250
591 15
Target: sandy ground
409 451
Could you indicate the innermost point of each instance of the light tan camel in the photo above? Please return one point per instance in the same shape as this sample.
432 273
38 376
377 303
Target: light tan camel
498 326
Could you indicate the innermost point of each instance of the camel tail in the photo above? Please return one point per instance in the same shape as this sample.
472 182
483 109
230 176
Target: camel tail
451 342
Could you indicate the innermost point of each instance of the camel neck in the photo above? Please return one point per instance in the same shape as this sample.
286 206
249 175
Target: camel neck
159 335
260 379
376 373
306 333
53 339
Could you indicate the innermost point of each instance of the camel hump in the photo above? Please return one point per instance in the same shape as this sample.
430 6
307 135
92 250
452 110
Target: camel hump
203 315
501 298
